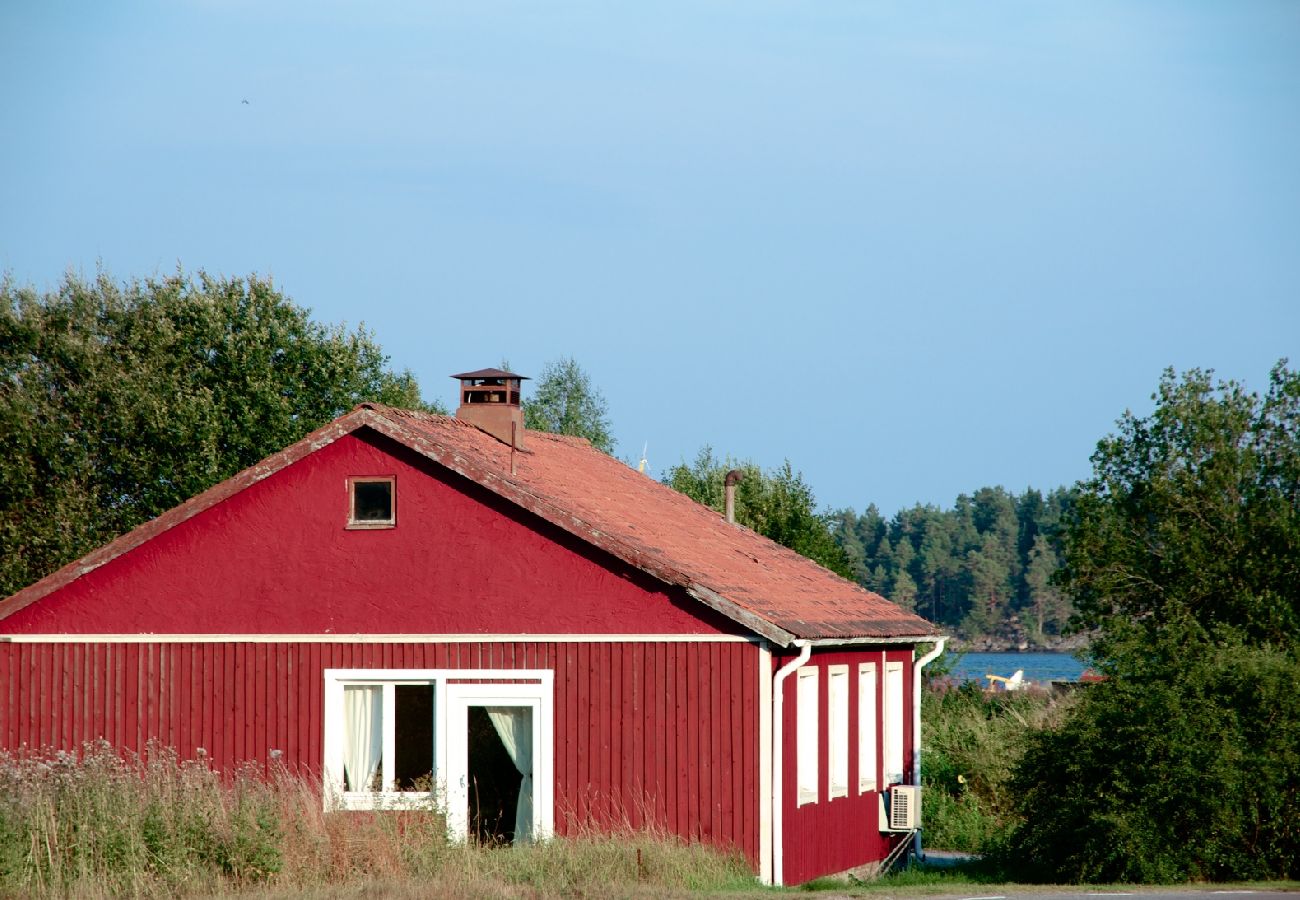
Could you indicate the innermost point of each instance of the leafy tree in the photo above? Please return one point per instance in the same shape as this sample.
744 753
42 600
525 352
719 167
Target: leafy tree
119 401
565 401
1193 514
777 504
1183 553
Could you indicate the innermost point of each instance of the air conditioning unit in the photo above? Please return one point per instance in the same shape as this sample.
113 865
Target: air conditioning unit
900 808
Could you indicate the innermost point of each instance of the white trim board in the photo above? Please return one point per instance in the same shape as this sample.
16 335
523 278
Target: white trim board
375 638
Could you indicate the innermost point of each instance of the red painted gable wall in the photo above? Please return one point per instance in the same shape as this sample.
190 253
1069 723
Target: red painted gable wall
277 558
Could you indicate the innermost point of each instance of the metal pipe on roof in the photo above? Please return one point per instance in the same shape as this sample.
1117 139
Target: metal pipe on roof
729 489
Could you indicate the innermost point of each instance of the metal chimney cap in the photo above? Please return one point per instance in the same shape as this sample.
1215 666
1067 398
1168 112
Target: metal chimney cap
491 373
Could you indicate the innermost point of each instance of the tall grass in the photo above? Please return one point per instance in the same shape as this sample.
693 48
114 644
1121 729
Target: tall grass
973 741
98 824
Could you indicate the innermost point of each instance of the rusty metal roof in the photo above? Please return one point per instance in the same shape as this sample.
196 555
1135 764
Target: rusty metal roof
770 590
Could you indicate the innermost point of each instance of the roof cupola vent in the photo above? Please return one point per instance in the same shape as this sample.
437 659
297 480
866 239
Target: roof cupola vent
489 399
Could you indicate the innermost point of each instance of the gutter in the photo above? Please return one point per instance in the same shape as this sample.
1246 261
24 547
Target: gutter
778 763
862 641
916 728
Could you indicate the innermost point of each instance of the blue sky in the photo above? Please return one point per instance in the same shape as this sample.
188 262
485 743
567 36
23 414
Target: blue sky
915 248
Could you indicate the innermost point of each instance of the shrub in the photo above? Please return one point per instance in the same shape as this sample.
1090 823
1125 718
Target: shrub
1189 770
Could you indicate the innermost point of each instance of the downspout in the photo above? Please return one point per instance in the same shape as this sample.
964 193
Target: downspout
778 762
916 729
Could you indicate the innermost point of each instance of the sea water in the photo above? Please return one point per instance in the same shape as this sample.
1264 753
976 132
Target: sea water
1040 666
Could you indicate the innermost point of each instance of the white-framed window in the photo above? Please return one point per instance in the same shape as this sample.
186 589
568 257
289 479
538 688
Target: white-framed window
866 727
372 502
837 737
892 721
397 738
807 726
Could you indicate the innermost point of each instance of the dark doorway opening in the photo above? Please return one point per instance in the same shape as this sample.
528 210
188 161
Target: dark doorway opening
493 782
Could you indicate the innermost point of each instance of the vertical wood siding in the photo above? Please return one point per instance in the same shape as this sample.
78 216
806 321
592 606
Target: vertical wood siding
661 734
832 836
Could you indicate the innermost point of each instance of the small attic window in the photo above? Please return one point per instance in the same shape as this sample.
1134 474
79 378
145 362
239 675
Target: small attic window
371 502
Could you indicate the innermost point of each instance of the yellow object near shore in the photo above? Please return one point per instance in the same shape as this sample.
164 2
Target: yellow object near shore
1014 683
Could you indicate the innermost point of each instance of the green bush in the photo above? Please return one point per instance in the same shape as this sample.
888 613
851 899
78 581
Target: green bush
1189 770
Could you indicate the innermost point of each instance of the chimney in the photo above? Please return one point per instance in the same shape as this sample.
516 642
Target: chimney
729 485
489 399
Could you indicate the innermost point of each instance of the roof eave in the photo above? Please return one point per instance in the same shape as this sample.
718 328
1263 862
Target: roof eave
752 621
867 639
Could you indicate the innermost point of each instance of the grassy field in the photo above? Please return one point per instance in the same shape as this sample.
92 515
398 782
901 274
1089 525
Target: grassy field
102 826
972 742
158 827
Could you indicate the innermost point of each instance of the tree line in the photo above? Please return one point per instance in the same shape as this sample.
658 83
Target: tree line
983 567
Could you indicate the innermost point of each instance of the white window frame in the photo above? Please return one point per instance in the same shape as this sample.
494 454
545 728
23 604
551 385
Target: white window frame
837 731
807 732
867 730
535 683
892 722
361 524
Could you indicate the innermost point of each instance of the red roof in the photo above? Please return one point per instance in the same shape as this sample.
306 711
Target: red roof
769 589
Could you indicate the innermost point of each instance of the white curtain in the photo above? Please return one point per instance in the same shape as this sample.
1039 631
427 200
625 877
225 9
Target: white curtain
514 725
363 707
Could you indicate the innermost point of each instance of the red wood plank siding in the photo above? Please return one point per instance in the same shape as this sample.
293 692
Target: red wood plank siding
663 734
836 835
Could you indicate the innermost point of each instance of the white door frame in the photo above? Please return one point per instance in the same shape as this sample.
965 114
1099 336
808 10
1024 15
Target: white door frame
536 697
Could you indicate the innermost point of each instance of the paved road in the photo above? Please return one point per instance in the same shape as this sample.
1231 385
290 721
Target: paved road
1154 892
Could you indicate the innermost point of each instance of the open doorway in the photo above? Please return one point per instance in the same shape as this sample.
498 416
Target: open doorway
499 761
494 779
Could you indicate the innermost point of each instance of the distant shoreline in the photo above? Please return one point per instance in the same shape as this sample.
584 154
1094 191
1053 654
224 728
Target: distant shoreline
998 644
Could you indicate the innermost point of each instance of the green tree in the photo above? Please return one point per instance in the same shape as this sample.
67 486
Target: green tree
777 504
564 401
1183 553
904 591
1047 603
119 401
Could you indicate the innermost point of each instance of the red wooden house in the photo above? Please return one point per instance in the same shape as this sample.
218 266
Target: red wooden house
402 603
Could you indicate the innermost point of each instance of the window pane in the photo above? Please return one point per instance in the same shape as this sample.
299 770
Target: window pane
837 686
867 727
363 711
372 501
893 717
413 737
806 743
